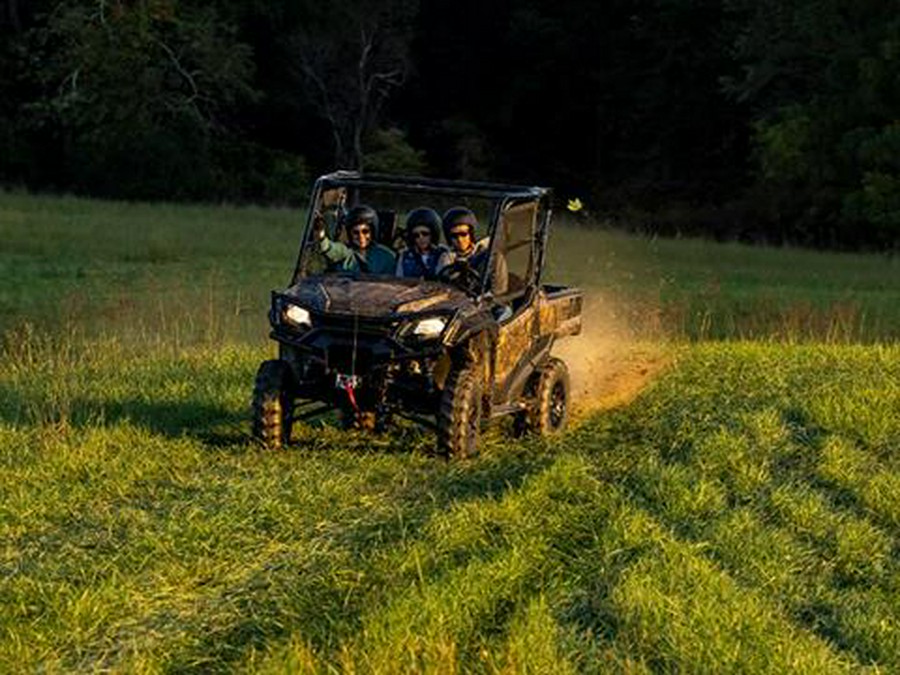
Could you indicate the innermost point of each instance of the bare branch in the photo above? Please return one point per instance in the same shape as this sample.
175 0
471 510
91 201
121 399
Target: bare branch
184 73
351 81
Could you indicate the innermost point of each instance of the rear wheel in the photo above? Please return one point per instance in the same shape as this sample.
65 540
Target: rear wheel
549 413
459 417
272 404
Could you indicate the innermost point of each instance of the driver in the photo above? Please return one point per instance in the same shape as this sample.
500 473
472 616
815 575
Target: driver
363 254
459 224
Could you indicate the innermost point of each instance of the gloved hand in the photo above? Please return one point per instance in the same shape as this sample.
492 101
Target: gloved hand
318 230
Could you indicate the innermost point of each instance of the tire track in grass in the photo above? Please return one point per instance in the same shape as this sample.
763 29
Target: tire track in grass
477 569
310 586
618 588
869 484
627 631
692 613
477 591
692 616
813 557
586 554
860 620
205 543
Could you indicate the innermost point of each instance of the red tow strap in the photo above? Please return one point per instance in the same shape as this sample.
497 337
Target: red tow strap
351 395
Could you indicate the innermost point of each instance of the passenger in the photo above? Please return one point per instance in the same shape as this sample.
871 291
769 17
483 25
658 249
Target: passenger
363 254
460 225
423 247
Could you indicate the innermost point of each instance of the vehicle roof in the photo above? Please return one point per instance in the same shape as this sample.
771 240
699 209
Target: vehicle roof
432 185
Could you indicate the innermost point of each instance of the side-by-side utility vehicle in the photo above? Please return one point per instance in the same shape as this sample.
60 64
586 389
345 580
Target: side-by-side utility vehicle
452 352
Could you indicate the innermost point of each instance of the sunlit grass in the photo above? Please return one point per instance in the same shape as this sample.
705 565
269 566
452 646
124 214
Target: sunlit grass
144 531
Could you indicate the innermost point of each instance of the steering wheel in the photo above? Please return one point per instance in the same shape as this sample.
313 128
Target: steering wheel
460 273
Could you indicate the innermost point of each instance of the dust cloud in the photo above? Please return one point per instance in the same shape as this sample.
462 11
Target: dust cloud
609 366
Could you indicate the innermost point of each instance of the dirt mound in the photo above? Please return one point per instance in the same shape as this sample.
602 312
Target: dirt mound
609 367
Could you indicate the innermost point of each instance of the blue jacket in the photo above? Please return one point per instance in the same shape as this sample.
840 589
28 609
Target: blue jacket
413 264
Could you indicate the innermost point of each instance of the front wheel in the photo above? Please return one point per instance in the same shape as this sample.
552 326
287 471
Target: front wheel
459 417
272 405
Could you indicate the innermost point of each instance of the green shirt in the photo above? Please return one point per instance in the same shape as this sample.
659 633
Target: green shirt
376 259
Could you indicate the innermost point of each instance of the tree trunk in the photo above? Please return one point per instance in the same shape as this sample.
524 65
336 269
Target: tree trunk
12 12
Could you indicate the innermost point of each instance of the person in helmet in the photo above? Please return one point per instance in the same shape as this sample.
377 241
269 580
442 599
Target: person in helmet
363 254
460 225
423 247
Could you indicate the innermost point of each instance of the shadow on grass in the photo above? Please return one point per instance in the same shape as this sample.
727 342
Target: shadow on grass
205 421
218 426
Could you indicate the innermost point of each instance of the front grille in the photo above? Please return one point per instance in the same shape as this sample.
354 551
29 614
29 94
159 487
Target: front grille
340 358
351 324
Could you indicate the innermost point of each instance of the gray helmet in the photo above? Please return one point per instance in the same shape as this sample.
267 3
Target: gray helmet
423 217
459 215
362 214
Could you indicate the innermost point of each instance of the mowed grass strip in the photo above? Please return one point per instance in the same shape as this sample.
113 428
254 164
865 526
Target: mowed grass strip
700 528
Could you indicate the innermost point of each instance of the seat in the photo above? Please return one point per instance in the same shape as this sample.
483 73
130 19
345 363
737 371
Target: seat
387 228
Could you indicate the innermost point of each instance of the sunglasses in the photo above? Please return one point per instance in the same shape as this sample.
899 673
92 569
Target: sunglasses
360 231
459 234
421 233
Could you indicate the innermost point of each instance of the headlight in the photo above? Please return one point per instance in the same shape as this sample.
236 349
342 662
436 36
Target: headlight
296 316
430 328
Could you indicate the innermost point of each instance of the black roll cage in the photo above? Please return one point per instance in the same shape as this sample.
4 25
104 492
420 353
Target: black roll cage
502 194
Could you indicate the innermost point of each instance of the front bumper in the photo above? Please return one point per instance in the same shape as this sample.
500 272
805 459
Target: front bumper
386 373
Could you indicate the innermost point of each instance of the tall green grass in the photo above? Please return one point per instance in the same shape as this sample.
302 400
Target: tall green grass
158 274
177 275
741 515
700 290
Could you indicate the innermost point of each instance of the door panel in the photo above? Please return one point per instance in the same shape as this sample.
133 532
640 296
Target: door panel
515 342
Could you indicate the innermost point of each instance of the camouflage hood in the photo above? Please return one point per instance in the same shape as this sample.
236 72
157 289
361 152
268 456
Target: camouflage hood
376 297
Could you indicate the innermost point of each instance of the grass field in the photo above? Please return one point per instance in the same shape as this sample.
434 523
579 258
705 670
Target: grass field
739 513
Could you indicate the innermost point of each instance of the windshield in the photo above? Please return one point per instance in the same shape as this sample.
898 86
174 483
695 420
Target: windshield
334 245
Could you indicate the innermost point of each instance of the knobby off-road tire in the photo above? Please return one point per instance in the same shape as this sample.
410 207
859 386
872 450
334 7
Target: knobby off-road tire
272 405
549 414
459 417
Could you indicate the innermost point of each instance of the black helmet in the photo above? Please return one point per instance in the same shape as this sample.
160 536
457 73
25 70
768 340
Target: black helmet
459 215
362 214
423 217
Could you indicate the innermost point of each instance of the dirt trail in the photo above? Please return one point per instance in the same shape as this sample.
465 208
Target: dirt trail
608 366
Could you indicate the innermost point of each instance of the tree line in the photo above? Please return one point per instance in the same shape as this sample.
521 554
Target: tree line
770 120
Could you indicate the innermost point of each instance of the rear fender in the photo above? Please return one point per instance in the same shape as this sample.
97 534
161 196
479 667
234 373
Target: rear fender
560 311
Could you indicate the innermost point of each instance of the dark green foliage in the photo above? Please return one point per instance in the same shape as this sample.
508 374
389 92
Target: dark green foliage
390 152
760 120
823 80
137 100
137 95
350 57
